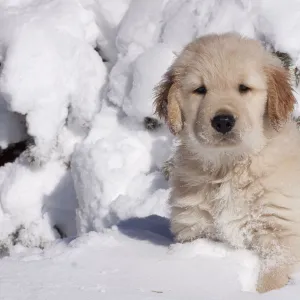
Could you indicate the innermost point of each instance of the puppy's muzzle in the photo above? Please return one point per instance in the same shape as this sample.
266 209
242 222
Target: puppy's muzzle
223 123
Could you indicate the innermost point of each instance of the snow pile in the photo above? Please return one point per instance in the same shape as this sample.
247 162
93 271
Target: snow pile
76 86
108 14
116 167
52 43
50 90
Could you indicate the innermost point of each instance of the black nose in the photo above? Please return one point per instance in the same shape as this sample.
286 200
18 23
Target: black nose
223 123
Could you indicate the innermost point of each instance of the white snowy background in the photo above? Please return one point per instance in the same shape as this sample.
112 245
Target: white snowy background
76 82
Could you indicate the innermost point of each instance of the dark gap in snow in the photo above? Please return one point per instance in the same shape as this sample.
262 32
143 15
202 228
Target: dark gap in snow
99 51
61 205
60 232
12 152
14 237
4 250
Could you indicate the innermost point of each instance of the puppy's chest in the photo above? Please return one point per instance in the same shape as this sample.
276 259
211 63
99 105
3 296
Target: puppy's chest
234 208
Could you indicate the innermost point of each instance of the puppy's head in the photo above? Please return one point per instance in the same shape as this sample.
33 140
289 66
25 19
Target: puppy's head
224 92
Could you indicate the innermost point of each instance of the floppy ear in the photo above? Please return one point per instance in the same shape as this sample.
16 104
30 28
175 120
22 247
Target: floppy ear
167 103
280 103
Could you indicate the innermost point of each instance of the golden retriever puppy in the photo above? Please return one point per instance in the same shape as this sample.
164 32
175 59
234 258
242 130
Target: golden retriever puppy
236 175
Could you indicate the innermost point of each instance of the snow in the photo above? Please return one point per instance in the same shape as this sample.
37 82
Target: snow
120 154
61 56
83 211
145 75
123 263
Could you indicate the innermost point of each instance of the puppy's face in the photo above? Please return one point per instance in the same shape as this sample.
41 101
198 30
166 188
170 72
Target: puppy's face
224 92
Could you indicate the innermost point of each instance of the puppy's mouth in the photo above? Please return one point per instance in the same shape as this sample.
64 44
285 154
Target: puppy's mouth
229 139
217 140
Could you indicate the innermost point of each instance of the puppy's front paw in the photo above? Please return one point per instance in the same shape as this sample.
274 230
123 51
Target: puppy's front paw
185 236
272 280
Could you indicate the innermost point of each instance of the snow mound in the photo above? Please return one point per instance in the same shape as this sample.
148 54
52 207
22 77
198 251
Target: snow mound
51 83
122 152
70 75
146 74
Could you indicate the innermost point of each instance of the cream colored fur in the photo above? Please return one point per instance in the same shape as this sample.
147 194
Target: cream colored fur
242 188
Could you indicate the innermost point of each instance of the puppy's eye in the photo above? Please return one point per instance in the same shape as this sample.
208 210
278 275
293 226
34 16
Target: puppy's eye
243 89
201 90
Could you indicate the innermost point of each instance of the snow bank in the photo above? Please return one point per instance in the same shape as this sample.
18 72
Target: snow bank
139 30
108 14
25 191
148 70
115 169
51 83
61 57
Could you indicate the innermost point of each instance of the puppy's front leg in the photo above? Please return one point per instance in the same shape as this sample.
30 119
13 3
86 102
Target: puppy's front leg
272 279
191 220
276 260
